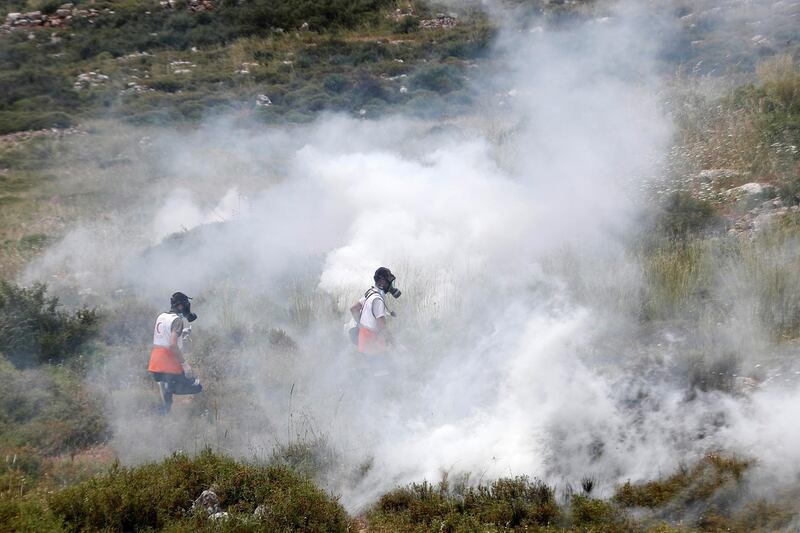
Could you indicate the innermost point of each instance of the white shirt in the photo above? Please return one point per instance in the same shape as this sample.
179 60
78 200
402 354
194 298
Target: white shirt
162 332
373 307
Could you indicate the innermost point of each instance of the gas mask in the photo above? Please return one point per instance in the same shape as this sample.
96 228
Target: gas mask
391 289
181 299
191 317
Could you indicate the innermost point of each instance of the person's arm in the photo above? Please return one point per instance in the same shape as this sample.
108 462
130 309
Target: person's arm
379 310
175 334
355 310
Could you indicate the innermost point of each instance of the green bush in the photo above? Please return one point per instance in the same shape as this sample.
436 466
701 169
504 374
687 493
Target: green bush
407 24
167 85
34 331
11 121
508 503
779 100
688 485
20 83
438 78
684 215
256 16
160 496
597 515
513 502
336 83
27 514
370 88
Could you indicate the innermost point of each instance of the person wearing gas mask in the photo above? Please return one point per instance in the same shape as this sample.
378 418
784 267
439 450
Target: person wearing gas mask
167 363
370 312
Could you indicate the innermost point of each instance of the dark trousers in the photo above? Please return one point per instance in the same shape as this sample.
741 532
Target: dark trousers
169 384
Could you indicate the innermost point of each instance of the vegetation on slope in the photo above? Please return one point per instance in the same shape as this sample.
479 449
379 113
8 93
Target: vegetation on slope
154 64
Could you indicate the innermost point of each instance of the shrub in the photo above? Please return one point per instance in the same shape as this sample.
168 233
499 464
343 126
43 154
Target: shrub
310 458
34 331
598 515
161 495
168 85
690 486
336 83
678 278
369 88
780 99
19 82
438 78
508 503
11 121
683 215
27 514
256 16
513 502
407 24
48 7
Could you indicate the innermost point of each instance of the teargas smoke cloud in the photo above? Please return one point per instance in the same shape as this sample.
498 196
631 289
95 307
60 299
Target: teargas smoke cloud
520 347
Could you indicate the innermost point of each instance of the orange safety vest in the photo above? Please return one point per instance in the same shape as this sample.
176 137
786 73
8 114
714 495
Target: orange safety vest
370 342
163 360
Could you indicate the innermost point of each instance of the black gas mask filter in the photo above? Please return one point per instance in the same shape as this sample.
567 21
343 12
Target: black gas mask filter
391 289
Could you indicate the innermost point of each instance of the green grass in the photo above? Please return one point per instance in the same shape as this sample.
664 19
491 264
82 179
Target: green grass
689 485
48 410
507 504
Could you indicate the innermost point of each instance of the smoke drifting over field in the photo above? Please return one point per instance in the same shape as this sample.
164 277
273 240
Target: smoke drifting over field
521 353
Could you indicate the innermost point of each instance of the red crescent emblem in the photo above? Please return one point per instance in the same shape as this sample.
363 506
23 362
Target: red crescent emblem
158 327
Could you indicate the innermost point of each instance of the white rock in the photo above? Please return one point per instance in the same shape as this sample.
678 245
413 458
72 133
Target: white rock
749 189
744 385
717 173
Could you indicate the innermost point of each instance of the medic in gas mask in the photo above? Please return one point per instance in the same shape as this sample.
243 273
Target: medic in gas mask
370 314
168 365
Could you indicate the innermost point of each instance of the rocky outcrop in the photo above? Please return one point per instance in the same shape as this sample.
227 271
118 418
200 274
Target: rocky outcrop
62 17
750 193
208 503
195 6
89 80
761 217
441 21
11 139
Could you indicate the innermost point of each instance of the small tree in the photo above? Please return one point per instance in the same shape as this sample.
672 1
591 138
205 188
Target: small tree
34 331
